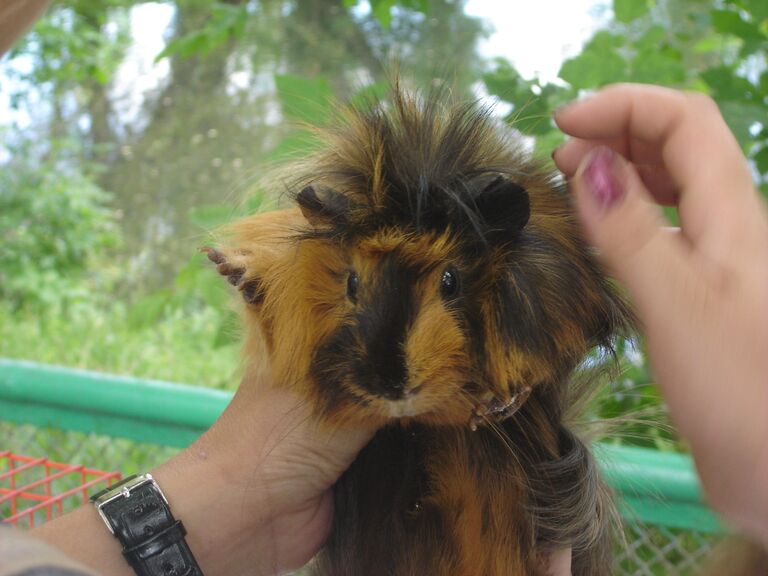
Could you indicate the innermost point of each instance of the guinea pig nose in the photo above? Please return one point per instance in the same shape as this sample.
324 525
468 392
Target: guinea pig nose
392 389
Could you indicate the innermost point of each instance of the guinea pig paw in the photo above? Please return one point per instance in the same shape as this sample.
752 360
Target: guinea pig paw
232 273
497 409
250 288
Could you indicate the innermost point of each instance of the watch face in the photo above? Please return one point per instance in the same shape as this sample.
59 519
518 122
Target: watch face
117 486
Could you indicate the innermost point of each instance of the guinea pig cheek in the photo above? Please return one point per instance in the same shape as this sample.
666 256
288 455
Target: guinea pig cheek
437 360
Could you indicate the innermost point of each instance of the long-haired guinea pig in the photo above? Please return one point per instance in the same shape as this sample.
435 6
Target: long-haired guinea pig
432 278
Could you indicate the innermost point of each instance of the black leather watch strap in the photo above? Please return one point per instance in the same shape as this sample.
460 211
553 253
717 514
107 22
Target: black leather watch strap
138 515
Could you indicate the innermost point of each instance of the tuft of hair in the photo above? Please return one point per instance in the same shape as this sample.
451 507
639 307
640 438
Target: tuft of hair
419 162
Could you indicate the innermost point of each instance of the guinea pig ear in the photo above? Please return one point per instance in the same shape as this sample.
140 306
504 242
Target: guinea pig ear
250 288
504 206
327 209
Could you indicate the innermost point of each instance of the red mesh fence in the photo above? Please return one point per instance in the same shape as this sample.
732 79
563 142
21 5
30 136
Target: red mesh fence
35 490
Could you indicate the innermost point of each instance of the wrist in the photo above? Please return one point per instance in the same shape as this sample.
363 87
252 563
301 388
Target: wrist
249 495
224 514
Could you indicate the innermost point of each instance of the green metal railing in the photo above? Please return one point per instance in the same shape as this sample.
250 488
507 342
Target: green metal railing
657 488
142 410
660 494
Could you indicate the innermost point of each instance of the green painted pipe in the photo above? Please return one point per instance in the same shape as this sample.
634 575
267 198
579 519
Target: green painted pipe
641 471
93 392
658 488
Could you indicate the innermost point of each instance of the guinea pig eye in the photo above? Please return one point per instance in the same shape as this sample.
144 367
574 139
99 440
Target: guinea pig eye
449 283
353 282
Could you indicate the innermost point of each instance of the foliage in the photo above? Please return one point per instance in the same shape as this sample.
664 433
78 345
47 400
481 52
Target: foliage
75 45
717 49
56 228
226 22
382 9
176 346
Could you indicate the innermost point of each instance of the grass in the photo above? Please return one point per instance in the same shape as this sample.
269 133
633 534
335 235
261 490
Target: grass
178 347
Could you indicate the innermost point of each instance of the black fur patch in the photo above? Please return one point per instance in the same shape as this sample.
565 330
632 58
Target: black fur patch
386 311
329 209
432 177
383 324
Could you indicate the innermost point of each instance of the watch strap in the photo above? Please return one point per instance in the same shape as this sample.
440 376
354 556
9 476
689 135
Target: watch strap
139 516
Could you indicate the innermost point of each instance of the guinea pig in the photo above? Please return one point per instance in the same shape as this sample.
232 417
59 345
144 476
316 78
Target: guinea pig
432 278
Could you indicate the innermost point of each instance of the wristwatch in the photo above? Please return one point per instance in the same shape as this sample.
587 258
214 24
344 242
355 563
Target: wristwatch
137 513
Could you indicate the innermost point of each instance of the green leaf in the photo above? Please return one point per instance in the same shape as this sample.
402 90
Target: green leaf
729 22
382 10
654 37
741 117
604 40
309 100
417 5
726 85
758 9
592 69
628 10
660 66
186 46
533 118
546 143
504 81
598 64
761 160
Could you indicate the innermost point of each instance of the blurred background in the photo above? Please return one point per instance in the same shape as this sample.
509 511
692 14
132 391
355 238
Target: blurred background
130 129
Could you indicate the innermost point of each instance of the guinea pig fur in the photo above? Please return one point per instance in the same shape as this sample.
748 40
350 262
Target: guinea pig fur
432 278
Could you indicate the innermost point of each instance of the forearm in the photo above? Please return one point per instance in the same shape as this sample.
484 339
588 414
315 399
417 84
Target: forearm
253 492
197 495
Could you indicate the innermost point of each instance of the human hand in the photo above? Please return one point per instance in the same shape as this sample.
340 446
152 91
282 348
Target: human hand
271 466
253 492
701 292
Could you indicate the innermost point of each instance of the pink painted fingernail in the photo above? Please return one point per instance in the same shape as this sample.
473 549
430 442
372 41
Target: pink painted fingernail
601 178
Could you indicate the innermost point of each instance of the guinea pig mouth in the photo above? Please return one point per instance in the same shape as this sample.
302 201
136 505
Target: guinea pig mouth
405 407
404 403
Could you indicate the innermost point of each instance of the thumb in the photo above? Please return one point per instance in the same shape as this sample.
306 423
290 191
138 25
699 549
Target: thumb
627 228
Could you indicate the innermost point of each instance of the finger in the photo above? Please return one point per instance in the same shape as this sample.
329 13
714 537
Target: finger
655 177
15 17
569 155
628 230
559 562
701 155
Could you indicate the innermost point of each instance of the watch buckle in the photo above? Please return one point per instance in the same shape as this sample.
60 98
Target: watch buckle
122 489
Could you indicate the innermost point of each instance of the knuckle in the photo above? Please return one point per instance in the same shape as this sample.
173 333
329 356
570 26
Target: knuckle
702 103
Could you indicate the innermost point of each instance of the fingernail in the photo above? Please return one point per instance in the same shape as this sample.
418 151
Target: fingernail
600 176
560 109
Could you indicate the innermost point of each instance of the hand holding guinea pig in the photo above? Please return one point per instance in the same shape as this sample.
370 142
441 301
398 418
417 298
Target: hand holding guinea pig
701 293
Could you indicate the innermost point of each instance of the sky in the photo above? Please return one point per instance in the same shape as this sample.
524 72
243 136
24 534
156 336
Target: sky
537 35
